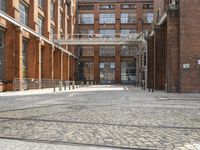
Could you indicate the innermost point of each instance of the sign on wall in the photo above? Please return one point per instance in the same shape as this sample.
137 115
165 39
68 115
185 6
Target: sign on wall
186 66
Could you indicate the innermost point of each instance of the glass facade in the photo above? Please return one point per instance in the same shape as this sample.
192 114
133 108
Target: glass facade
23 10
107 33
107 18
128 18
148 17
128 72
107 51
86 18
3 5
2 55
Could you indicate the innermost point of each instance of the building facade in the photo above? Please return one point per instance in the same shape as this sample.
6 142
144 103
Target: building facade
173 47
27 49
112 64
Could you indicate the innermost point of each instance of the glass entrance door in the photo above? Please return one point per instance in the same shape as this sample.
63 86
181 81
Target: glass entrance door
107 72
128 72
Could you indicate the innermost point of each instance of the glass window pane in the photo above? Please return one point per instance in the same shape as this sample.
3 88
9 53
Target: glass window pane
3 5
86 18
107 18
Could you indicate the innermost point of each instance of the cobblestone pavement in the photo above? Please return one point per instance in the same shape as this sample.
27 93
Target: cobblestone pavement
100 117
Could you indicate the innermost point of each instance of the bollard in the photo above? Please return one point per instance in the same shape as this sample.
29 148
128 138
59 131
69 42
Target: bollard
92 83
70 85
54 86
87 83
81 83
65 85
77 84
60 85
73 85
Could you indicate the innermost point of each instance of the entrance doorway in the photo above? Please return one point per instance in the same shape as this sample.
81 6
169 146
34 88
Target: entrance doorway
128 72
107 72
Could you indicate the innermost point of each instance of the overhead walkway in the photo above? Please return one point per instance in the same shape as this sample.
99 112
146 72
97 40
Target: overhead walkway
100 39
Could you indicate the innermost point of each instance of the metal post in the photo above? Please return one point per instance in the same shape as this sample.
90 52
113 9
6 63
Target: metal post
65 85
70 85
73 84
60 85
54 86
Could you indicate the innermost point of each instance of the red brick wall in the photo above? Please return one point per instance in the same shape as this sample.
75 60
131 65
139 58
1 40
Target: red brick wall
190 45
159 52
150 58
173 59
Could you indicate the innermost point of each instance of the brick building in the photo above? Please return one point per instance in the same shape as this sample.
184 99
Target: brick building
112 64
27 50
174 47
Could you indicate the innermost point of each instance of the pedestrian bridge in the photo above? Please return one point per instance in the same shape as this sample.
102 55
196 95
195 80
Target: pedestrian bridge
100 39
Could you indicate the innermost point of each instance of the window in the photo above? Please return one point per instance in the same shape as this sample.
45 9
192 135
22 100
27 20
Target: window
23 9
107 18
3 5
107 33
86 19
61 19
128 6
40 25
105 7
128 50
85 51
86 33
86 7
52 32
67 9
52 10
2 55
147 6
41 4
24 57
127 32
128 18
148 17
107 51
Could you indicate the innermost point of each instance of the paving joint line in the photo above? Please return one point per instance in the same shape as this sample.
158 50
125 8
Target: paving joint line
105 124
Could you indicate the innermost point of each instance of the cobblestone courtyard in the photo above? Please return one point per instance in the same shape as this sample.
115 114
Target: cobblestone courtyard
100 117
